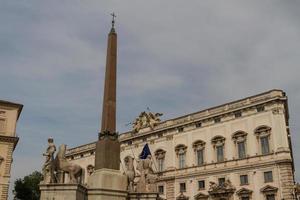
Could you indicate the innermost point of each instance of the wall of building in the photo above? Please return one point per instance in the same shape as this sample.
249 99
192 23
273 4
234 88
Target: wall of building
267 110
9 113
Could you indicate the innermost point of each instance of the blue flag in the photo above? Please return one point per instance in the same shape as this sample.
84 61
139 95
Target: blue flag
146 151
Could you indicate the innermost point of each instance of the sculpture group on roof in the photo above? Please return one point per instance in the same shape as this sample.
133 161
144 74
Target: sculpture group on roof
146 119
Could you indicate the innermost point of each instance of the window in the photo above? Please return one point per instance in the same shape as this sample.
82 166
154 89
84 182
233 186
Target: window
182 187
160 159
198 124
129 142
180 152
217 119
240 138
260 108
268 176
244 179
263 134
270 196
201 185
145 139
198 147
241 149
218 144
265 147
161 189
180 129
238 114
220 153
160 164
221 181
181 160
200 160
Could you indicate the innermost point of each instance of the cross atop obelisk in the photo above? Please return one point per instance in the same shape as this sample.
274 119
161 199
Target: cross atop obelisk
113 20
108 147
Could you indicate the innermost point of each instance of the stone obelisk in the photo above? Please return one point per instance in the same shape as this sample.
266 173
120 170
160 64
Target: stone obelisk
108 146
107 182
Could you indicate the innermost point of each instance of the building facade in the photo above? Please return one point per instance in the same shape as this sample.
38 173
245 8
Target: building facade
240 150
9 115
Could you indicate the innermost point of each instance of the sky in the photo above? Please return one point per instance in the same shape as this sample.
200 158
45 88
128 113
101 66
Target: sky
174 56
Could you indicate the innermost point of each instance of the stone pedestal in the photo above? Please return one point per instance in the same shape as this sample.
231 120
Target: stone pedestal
107 184
63 191
143 196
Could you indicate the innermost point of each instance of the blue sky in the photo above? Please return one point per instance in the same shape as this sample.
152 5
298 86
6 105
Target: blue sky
174 57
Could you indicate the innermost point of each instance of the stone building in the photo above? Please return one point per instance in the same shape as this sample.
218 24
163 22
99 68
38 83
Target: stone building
239 150
9 115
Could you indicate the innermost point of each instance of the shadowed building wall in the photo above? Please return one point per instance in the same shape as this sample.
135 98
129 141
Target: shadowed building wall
9 115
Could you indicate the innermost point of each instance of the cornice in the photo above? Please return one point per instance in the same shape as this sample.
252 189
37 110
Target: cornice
9 139
14 105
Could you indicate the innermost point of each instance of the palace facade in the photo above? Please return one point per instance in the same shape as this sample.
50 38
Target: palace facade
9 115
239 151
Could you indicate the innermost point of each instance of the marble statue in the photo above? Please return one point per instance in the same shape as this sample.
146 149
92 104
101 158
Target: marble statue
154 119
130 172
61 164
212 186
228 184
147 181
48 167
146 120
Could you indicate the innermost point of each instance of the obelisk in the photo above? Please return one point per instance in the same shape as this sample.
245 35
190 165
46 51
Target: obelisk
107 182
108 146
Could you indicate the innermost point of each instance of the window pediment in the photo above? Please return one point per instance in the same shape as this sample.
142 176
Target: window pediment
199 144
180 149
182 197
160 153
218 140
269 189
239 136
262 130
244 191
201 196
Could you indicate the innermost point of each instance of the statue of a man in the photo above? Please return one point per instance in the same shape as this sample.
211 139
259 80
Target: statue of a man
147 181
48 167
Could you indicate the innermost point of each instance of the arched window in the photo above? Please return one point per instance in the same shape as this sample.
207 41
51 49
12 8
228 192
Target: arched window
263 134
181 154
198 147
240 141
160 159
219 145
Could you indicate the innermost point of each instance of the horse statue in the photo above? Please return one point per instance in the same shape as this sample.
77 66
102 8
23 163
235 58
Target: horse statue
61 164
130 172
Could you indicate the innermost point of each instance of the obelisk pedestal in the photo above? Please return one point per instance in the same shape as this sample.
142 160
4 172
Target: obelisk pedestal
107 182
63 191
